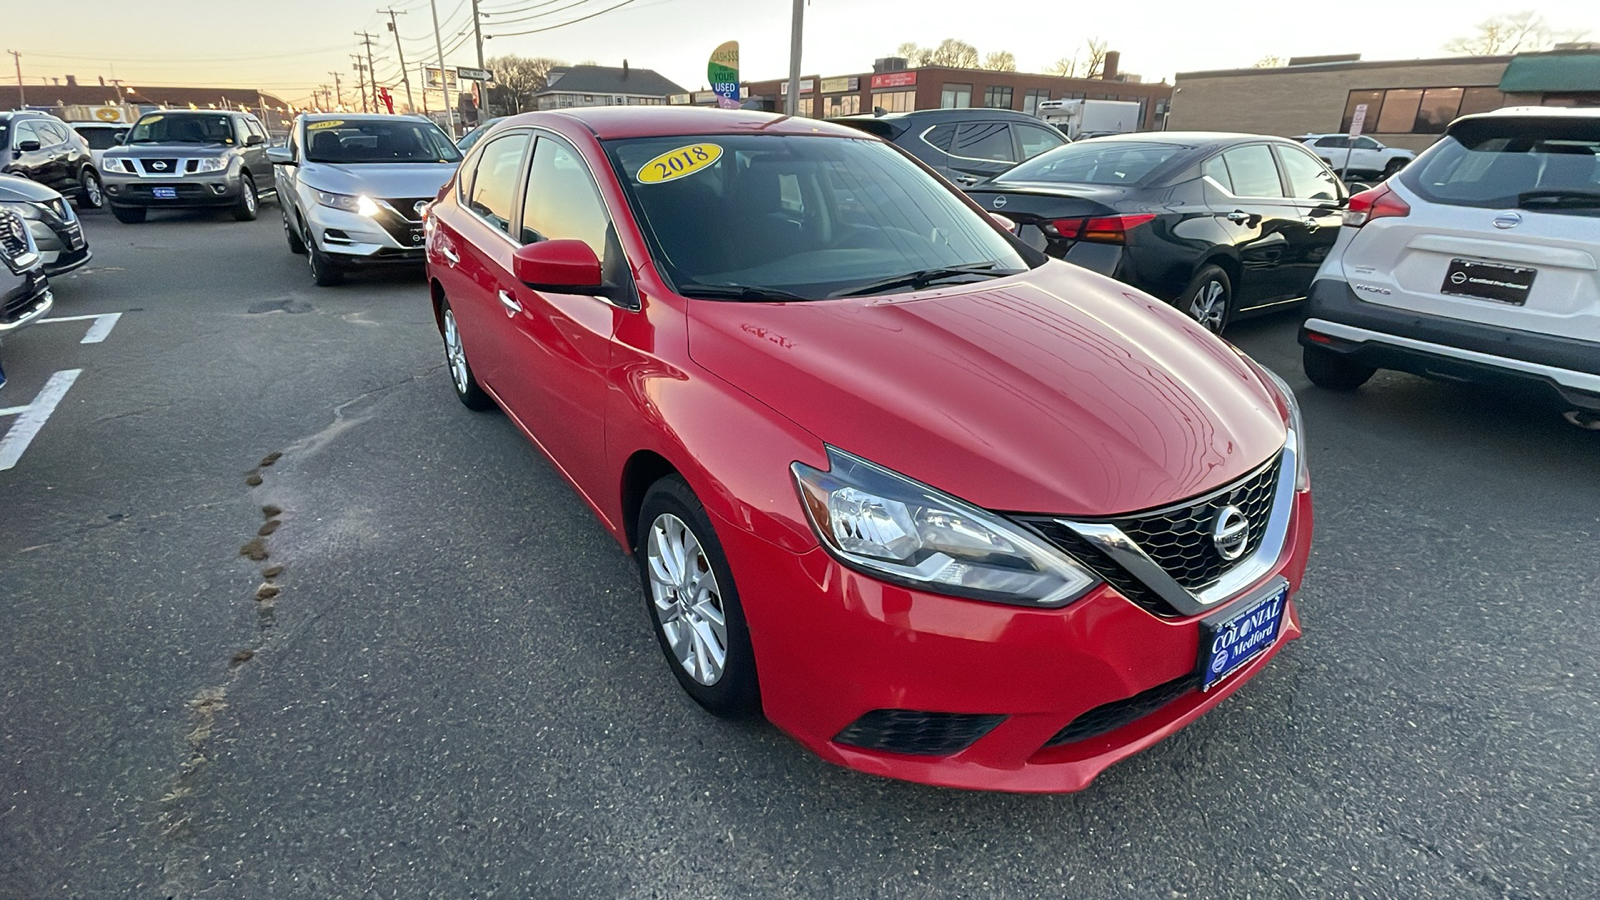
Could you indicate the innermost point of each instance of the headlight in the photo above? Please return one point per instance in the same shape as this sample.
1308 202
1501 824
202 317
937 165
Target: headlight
25 210
891 527
1297 424
212 164
360 205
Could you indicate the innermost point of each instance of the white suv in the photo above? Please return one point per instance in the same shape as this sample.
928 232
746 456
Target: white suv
1357 157
1480 261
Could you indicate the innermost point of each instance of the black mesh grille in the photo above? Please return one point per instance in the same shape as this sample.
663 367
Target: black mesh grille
917 733
1108 717
1179 538
13 235
1113 574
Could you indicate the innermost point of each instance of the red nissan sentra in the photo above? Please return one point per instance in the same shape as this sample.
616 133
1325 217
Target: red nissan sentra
940 507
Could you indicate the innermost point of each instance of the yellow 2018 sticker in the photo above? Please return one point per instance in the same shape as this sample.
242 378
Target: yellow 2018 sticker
330 123
675 164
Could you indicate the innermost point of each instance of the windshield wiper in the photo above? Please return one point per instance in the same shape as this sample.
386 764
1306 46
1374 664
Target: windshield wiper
1560 198
736 292
920 279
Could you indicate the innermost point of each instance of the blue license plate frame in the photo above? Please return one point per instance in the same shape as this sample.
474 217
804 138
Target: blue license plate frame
1232 637
164 193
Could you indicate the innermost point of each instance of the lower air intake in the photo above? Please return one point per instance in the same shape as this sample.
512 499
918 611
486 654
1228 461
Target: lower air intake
917 733
1108 717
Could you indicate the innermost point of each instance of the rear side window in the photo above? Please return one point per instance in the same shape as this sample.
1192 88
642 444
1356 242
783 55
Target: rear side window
1505 163
1308 178
494 180
1035 140
1217 170
1253 172
1098 162
985 140
942 136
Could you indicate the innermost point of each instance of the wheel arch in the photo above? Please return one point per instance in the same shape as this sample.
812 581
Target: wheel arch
436 299
643 468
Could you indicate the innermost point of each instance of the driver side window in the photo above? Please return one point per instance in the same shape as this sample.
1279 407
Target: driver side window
561 200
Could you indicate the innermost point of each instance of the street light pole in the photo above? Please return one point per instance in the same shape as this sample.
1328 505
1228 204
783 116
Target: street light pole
444 77
792 102
22 93
372 73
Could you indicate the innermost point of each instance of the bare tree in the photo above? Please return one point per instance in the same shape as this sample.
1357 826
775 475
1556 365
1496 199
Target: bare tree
910 52
1097 58
1066 67
1270 62
518 78
1522 32
1000 61
951 52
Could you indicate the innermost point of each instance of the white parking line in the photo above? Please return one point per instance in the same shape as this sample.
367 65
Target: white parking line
34 415
97 332
13 410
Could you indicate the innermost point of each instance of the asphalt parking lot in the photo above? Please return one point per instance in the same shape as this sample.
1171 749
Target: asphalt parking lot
453 690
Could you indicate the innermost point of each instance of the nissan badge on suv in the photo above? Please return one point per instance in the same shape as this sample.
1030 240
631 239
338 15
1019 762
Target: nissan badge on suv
353 188
184 159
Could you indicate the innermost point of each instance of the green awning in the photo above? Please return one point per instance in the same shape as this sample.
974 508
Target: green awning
1552 73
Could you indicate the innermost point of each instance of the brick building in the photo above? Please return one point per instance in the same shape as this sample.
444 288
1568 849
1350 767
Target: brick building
942 87
1408 102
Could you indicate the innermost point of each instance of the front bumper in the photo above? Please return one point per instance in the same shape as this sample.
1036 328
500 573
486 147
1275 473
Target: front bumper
833 645
28 300
1562 370
190 191
62 249
354 239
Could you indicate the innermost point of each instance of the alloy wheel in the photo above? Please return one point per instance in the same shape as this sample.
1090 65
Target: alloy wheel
91 191
250 197
454 353
687 599
1209 305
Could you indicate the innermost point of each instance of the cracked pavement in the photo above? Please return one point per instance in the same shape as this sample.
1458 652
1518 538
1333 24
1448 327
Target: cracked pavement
454 691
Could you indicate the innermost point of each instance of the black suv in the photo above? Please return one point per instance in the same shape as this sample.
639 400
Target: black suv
42 148
184 159
967 146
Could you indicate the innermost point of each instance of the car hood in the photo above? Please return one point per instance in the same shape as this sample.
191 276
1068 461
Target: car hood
14 188
378 179
1056 391
168 151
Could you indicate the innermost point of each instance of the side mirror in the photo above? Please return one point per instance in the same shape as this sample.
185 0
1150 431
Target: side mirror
564 266
280 156
27 146
254 140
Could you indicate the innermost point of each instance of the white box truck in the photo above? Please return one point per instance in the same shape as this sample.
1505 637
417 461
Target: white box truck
1089 118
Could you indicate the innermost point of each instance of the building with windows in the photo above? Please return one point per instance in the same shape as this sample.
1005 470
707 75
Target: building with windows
894 88
1408 103
569 86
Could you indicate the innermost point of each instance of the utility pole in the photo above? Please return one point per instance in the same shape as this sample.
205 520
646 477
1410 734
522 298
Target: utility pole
477 31
792 102
405 74
422 71
372 73
444 77
22 93
323 102
337 90
361 76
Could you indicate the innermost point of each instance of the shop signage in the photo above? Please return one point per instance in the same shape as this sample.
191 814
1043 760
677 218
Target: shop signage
894 79
723 73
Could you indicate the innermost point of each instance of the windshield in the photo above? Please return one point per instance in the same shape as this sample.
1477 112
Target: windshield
471 137
182 129
1095 162
394 140
1505 163
802 216
102 138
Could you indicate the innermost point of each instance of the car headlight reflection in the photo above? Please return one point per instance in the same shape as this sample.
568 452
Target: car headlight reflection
361 205
212 164
888 526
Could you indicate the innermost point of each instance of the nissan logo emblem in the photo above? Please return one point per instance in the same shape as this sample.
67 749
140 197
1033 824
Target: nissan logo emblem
1507 220
158 166
1458 278
420 208
1000 202
1231 533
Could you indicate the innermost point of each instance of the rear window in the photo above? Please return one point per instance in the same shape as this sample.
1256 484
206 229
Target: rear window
1096 162
1511 163
102 138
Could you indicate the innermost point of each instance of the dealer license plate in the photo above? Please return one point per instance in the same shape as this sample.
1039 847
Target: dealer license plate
164 193
1488 281
1236 635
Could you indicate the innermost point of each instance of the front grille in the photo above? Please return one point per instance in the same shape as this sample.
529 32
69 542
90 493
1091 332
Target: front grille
917 733
1179 538
407 207
1102 565
167 166
13 235
1108 717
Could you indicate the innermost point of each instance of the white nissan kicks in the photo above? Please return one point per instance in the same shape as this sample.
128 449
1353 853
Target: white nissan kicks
1479 261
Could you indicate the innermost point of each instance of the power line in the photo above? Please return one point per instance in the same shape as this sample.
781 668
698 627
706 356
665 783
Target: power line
565 24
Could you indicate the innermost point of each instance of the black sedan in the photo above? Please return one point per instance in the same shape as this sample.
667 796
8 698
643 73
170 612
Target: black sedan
1219 225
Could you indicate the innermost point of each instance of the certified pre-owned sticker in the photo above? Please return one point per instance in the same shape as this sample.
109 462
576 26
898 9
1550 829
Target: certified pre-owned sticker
330 123
675 164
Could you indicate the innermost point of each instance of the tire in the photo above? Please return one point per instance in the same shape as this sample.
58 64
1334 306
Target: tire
1209 299
91 193
324 270
455 357
297 246
249 205
129 215
672 518
1330 371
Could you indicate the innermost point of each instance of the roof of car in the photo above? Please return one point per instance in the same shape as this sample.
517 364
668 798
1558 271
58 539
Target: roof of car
608 122
1551 112
948 115
354 117
1189 138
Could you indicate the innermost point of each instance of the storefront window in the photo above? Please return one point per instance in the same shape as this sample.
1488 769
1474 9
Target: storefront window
997 98
1438 109
955 96
895 101
1374 103
1481 99
1030 100
1399 112
847 105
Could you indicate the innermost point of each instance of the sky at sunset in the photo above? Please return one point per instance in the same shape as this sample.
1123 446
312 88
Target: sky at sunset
289 47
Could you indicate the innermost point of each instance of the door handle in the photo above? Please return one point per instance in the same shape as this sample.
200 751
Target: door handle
1239 215
966 179
1311 223
449 254
510 303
